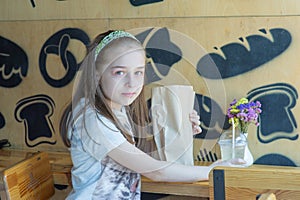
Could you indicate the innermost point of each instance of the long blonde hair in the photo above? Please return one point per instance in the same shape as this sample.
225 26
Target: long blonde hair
88 87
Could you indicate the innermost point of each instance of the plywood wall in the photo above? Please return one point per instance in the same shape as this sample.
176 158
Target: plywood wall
254 44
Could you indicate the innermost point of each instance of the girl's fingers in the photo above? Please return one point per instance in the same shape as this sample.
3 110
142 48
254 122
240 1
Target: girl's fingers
195 119
196 129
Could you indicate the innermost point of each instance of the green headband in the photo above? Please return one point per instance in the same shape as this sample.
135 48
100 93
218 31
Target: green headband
109 38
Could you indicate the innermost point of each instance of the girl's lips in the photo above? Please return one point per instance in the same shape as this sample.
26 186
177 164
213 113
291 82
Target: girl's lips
128 94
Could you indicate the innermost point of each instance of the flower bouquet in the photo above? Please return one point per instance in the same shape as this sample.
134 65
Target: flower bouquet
242 113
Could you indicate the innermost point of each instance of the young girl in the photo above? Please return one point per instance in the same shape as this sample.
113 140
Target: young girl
107 126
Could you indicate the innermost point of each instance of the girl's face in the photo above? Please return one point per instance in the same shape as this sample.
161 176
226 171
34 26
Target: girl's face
123 79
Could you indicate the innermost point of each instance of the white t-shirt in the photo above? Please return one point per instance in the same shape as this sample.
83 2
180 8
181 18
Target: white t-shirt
94 174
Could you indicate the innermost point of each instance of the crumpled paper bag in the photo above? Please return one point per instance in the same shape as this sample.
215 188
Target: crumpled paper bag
173 134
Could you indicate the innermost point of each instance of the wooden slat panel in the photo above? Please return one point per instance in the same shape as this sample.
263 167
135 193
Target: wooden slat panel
30 178
61 163
204 8
111 9
247 183
207 32
53 10
34 36
214 33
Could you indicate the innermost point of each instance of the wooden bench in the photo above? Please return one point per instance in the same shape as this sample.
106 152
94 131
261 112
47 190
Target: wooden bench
61 163
30 178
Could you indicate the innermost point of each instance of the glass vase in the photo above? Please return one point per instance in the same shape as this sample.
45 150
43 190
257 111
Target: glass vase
248 157
236 148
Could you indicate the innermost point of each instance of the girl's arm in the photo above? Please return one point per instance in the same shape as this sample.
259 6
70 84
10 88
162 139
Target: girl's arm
131 157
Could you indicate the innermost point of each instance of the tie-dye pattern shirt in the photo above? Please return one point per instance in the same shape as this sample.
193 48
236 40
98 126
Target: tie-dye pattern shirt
94 174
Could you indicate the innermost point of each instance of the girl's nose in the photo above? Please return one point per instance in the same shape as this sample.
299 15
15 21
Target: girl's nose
130 80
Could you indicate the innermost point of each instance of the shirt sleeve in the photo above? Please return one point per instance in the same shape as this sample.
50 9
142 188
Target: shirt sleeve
99 135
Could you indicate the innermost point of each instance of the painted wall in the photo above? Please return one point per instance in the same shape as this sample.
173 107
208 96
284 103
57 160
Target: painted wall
224 49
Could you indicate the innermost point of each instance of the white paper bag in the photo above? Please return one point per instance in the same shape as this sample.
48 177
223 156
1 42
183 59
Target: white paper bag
173 134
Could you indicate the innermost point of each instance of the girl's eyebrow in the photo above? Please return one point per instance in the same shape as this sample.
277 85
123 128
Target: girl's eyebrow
116 67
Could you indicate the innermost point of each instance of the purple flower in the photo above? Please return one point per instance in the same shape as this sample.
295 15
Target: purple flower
244 113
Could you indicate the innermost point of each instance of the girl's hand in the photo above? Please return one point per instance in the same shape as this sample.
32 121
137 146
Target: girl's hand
195 119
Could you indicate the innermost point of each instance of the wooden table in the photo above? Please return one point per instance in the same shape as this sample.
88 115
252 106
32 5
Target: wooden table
197 189
61 165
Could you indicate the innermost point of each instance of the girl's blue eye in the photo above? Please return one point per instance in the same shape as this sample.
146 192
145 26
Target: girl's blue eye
119 73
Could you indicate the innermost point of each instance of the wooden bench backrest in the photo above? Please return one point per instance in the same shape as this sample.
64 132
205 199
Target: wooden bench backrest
228 183
29 179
